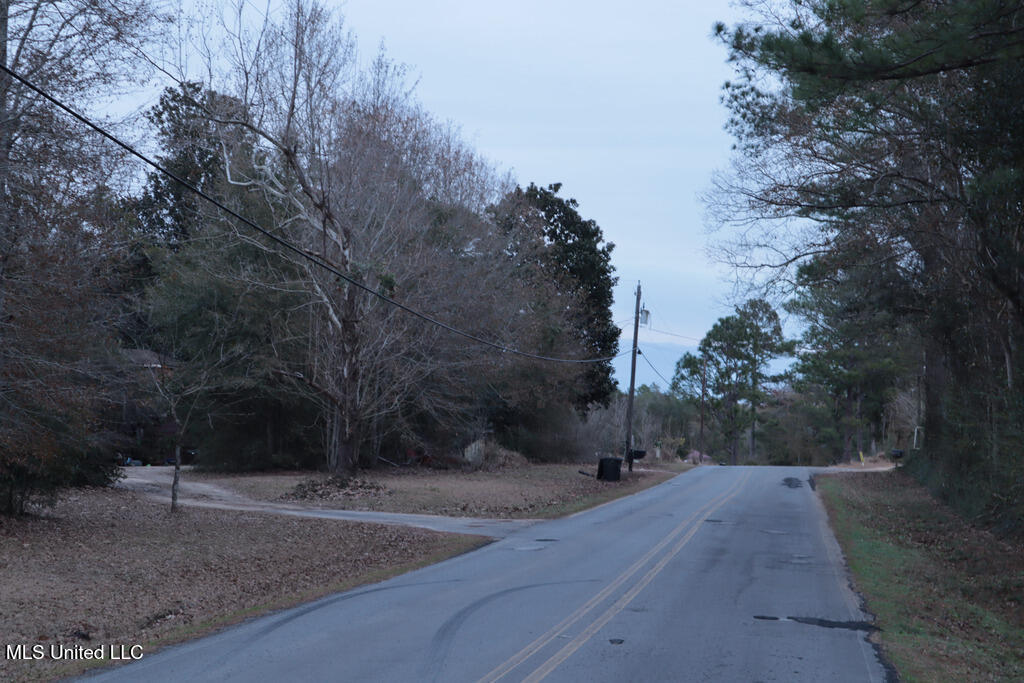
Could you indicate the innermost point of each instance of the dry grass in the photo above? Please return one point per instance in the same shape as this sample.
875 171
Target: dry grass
531 491
949 597
111 567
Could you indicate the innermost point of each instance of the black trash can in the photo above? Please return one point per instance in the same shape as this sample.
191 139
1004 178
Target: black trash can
609 469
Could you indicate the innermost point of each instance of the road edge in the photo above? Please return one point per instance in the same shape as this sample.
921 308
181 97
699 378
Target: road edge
848 584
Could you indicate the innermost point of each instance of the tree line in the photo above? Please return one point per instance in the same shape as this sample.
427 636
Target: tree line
140 320
757 397
877 183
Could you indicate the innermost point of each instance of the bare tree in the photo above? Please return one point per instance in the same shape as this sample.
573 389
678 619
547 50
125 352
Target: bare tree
351 169
57 224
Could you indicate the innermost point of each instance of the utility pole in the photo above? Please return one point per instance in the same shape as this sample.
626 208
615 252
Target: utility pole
632 383
703 392
753 414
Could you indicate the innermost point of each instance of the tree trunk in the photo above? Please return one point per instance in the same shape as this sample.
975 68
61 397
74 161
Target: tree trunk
934 389
860 427
271 424
342 444
6 140
348 451
177 474
1008 359
332 447
847 430
5 80
993 437
348 456
753 430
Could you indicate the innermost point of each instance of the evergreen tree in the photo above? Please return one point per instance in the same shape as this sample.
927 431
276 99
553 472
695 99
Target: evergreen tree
854 351
576 257
730 370
219 305
190 147
899 126
762 342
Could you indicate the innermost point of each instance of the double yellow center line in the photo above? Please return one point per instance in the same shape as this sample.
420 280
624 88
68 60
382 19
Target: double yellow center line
542 641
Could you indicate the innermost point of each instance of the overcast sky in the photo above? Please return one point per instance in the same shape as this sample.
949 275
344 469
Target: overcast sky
617 101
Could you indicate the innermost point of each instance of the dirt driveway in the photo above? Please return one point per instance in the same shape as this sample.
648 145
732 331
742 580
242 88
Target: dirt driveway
484 503
155 482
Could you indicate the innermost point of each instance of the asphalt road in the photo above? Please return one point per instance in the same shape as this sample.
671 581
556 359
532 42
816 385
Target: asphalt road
720 574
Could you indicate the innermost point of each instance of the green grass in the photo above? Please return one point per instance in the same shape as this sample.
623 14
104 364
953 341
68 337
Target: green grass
947 596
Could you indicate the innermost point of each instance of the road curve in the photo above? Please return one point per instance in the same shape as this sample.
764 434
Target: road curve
720 574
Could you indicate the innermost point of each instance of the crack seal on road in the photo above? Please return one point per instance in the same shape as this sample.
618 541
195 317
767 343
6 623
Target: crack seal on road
828 623
824 623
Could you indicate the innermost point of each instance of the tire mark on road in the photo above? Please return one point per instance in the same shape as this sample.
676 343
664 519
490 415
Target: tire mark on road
441 645
300 612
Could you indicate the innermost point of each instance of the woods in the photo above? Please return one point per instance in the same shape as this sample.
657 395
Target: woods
143 321
877 180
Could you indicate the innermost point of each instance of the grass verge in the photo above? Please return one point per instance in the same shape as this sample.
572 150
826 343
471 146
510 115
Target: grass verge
948 597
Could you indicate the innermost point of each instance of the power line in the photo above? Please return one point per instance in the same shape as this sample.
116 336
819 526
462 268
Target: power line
649 363
673 334
285 243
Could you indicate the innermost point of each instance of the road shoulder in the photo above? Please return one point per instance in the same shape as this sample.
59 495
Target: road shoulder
947 595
